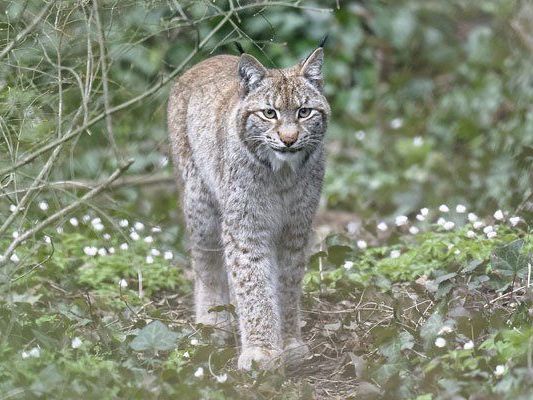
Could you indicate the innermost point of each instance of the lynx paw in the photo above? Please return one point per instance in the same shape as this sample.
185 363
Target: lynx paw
295 352
263 358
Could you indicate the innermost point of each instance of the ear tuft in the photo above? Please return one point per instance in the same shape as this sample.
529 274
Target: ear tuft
312 67
251 72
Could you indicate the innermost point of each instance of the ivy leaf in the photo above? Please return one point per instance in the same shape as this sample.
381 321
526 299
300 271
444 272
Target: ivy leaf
337 254
155 336
430 329
392 350
509 260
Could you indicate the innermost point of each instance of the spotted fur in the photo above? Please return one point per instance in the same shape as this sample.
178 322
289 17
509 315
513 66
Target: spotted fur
251 186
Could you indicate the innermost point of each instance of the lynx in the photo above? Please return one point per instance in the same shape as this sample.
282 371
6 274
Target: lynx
247 143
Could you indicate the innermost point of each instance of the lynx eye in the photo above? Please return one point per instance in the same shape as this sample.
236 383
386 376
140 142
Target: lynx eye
304 112
269 113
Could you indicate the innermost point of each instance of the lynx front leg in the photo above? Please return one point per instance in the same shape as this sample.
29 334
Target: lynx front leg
252 266
292 257
210 281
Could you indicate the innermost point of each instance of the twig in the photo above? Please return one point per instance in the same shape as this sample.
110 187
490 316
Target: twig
60 214
126 181
105 82
507 294
26 31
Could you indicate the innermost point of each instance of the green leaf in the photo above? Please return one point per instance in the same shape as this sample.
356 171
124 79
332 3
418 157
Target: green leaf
509 260
155 336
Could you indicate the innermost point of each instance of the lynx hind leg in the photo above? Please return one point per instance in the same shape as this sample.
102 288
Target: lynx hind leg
210 277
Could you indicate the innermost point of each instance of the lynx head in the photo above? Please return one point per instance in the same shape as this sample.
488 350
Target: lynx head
283 112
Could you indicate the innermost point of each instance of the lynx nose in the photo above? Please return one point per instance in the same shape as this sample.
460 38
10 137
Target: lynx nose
288 135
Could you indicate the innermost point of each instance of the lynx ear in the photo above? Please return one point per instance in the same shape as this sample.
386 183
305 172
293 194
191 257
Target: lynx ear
251 72
311 67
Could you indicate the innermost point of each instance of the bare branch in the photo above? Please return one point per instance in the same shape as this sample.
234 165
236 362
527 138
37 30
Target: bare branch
26 31
105 82
65 211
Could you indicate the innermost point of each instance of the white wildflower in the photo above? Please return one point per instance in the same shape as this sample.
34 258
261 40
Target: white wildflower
155 252
43 205
111 250
149 260
348 265
498 215
424 211
500 370
445 329
59 230
76 343
186 355
222 378
382 226
124 246
86 218
441 221
106 236
102 252
444 208
488 229
514 220
35 352
12 208
472 217
478 224
418 141
73 221
14 258
440 342
123 283
98 227
90 250
139 226
471 234
420 217
401 220
123 223
457 252
413 230
199 372
362 244
15 234
156 229
148 239
168 255
460 209
134 235
491 235
195 342
468 345
47 239
96 221
395 254
448 225
396 123
360 135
